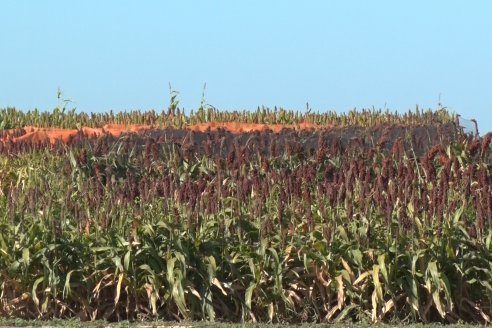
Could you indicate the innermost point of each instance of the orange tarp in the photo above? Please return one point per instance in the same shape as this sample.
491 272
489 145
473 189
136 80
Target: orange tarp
247 127
52 135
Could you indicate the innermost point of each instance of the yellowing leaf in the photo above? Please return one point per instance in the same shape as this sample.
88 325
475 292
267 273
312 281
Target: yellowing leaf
382 266
346 266
377 284
118 288
361 277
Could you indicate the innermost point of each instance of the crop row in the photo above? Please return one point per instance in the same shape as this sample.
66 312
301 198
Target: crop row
11 118
390 223
137 231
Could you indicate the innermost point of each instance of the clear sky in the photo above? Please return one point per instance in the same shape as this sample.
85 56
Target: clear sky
336 55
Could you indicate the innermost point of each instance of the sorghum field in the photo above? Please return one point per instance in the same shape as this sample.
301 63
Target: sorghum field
263 216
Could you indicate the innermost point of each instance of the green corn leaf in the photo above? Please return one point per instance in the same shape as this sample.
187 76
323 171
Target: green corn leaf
170 270
357 257
34 290
66 288
488 241
126 260
101 249
382 266
434 273
3 248
211 267
487 285
178 297
447 290
117 262
248 295
25 256
413 295
345 312
437 302
450 250
343 234
458 214
147 268
275 255
73 161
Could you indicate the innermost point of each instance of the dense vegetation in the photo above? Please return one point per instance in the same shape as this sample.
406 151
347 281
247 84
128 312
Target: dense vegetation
390 223
11 118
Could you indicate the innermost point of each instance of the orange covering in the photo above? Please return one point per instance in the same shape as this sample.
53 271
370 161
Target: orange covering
52 135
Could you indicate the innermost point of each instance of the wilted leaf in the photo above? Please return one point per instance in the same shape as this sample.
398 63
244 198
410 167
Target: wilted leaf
118 288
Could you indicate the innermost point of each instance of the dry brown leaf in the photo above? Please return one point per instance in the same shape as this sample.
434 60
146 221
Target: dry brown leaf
484 315
218 284
341 292
374 301
346 266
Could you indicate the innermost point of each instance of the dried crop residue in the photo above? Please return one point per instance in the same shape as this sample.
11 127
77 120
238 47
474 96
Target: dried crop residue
52 135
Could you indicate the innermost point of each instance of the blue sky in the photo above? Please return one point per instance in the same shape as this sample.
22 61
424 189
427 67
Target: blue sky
336 55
